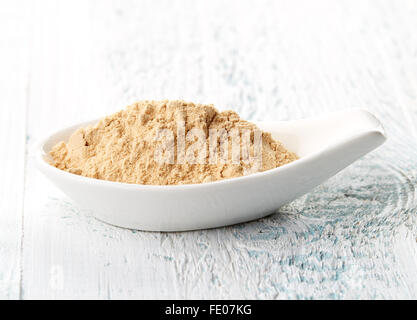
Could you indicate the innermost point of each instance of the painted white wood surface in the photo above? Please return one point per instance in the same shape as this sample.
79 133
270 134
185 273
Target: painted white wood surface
67 61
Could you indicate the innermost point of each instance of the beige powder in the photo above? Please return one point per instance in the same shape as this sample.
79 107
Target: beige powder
122 147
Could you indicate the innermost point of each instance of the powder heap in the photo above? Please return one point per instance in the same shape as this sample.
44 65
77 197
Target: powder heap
122 147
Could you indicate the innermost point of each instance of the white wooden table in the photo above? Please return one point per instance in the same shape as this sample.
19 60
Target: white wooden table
68 61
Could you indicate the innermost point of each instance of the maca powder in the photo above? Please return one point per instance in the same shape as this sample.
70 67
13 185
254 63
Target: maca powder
169 143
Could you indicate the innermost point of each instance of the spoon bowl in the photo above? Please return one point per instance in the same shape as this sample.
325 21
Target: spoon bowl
325 145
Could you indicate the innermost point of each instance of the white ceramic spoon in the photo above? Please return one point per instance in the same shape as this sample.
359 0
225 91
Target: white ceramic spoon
324 144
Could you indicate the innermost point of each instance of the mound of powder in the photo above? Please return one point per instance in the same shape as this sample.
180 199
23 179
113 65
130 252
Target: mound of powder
122 147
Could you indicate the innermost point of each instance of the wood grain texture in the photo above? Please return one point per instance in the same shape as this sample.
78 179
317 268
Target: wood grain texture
14 89
352 237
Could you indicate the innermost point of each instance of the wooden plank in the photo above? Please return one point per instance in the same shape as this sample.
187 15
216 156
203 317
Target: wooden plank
350 238
14 86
